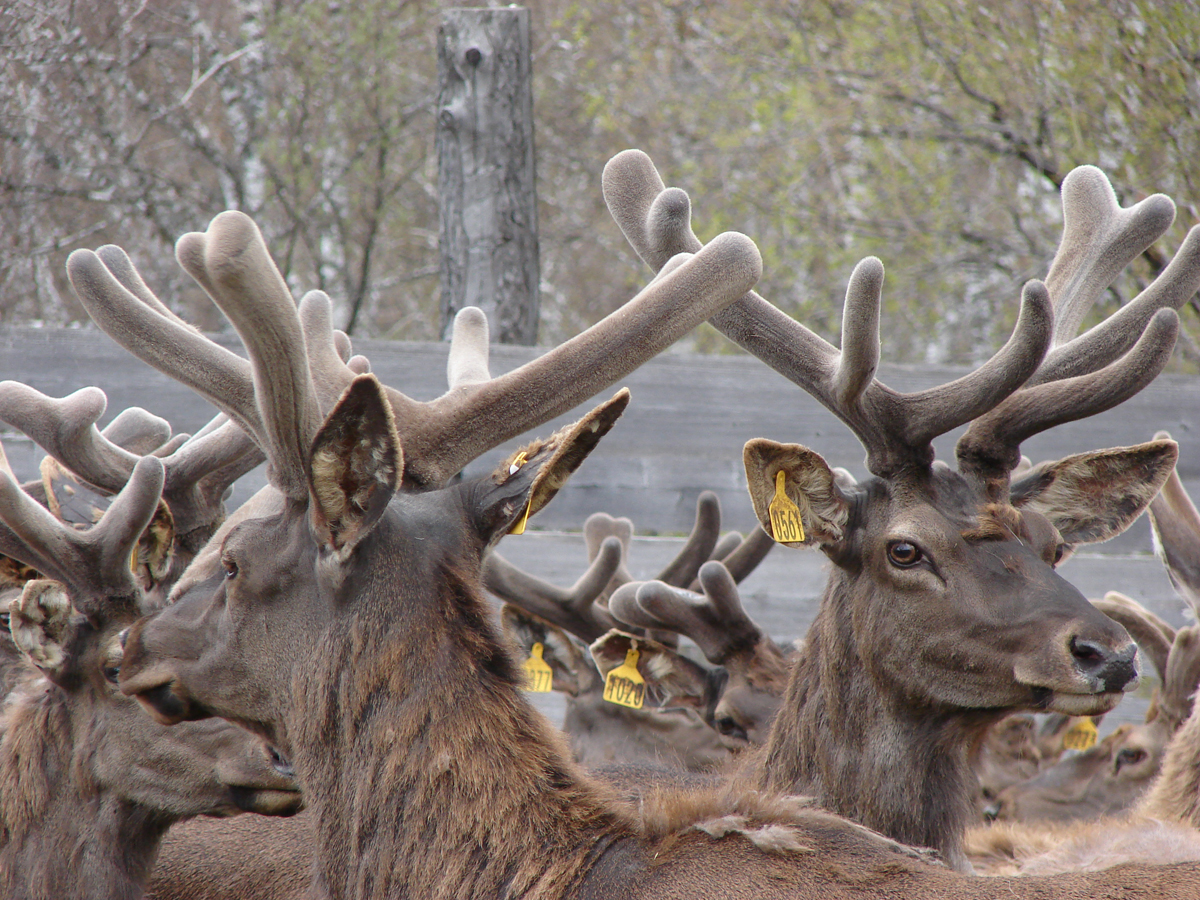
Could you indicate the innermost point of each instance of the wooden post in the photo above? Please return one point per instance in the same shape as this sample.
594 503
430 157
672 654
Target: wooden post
486 171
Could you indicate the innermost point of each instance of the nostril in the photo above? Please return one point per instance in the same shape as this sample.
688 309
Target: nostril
1087 651
991 812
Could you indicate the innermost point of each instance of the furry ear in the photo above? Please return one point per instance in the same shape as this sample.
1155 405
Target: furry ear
1091 497
671 680
355 465
40 623
529 479
570 668
809 483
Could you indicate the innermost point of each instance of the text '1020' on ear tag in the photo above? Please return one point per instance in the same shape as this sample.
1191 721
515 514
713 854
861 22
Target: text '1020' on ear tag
786 525
1081 735
519 525
538 676
624 685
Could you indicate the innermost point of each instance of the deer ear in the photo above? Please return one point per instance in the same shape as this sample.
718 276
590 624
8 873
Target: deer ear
569 666
155 548
1091 497
40 621
529 479
809 483
355 465
671 680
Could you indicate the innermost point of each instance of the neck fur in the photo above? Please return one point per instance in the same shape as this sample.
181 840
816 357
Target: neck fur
61 834
430 774
863 750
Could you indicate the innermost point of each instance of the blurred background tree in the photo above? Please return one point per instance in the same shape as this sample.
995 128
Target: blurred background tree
933 135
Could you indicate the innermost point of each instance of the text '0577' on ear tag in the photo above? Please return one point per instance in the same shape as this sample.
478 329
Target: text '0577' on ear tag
538 676
1081 735
624 685
513 469
786 525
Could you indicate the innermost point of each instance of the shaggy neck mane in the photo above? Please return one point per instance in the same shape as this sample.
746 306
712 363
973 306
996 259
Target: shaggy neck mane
861 752
60 834
429 773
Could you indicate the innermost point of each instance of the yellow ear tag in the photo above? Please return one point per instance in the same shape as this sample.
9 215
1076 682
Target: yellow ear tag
519 527
624 685
786 525
1081 735
538 677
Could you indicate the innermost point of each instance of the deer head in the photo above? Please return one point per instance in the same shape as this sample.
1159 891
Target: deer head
943 610
84 773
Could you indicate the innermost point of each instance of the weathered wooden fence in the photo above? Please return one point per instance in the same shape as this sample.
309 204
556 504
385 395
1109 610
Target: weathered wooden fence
682 434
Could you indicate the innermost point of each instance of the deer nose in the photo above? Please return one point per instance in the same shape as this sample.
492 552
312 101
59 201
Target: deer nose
1109 669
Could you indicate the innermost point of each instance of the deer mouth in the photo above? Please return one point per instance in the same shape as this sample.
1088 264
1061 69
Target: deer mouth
1076 704
267 801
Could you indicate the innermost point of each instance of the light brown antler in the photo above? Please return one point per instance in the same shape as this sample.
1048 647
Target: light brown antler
93 563
714 619
1079 378
231 262
574 609
1176 526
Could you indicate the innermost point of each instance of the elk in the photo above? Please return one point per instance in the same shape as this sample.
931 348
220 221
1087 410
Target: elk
351 629
602 733
943 611
88 783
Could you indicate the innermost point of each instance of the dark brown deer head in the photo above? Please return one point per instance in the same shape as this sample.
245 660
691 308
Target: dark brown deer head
943 610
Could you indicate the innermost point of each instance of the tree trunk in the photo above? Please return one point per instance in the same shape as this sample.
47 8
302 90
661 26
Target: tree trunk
486 171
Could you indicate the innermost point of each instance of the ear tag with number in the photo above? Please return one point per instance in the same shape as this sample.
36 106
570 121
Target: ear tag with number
538 676
1081 735
786 525
624 685
519 526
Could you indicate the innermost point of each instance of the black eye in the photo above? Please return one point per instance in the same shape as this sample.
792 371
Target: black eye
111 674
1129 757
728 727
903 554
231 567
1060 550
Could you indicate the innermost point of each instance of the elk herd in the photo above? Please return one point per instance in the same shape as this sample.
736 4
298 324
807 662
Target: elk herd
329 657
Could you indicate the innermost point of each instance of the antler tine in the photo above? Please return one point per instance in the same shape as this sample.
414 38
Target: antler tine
600 526
123 270
1099 240
467 362
136 430
895 429
327 349
573 609
699 546
1151 633
990 448
1176 527
66 429
715 620
1182 674
164 342
93 563
742 559
199 473
443 435
232 264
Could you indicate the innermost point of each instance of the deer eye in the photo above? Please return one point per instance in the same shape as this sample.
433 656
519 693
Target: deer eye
1130 756
231 567
730 728
1060 550
112 673
904 554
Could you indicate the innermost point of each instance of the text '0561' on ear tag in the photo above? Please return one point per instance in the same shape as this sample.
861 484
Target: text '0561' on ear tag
538 676
786 525
513 469
1081 735
624 685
